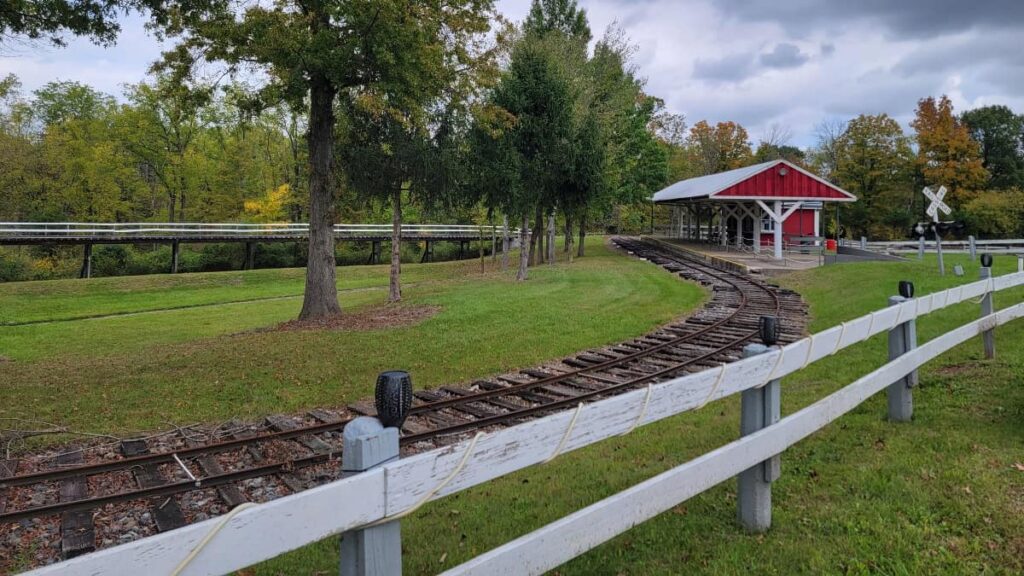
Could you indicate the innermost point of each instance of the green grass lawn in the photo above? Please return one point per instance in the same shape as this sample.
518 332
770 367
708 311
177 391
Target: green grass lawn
940 495
147 351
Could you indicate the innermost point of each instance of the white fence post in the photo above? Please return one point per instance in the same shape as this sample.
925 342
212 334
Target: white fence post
760 408
920 248
899 393
987 307
972 247
374 551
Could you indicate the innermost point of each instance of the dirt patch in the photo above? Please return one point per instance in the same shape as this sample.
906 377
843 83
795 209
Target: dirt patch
388 316
955 369
5 359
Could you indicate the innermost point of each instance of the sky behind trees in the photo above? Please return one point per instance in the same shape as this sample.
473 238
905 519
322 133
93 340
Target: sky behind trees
796 64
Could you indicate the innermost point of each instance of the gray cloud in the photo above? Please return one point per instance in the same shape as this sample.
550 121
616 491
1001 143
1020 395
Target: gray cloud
827 49
911 18
785 55
731 68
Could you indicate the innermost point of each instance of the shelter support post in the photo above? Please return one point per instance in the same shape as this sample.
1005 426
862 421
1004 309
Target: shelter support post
779 217
86 271
377 550
988 337
760 408
175 256
902 339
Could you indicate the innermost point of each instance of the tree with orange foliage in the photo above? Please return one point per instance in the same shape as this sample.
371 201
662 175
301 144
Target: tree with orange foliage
724 146
947 155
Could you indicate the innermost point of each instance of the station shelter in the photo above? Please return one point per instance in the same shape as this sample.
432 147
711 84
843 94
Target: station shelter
774 204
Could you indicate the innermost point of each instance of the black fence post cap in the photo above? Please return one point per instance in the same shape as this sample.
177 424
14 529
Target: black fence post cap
986 260
769 328
906 289
393 397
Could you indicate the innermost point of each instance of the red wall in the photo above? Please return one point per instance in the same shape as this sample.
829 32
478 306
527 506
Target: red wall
799 223
768 183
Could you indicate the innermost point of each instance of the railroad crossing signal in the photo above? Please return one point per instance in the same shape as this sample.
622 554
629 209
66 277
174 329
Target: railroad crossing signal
937 204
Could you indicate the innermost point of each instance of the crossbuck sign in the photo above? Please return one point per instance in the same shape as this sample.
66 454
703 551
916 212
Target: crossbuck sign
937 204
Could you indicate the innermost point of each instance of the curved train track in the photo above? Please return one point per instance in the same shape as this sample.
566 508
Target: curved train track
74 503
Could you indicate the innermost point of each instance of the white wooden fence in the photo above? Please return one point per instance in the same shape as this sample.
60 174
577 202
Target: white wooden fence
265 531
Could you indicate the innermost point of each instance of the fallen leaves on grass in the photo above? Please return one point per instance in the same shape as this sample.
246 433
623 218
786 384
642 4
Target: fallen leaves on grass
1019 466
376 318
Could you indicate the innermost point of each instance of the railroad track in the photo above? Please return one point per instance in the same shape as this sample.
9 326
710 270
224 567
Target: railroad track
72 503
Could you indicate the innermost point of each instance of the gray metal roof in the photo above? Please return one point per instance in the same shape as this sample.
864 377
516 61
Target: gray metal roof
707 186
704 186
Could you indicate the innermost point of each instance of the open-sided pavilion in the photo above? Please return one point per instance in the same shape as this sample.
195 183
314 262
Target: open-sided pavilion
769 204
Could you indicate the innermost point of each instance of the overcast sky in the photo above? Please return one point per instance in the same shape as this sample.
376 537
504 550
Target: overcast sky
793 63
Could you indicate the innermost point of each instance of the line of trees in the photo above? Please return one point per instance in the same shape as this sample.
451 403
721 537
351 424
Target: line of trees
339 110
391 110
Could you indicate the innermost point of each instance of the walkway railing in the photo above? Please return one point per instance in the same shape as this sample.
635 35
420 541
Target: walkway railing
364 504
57 230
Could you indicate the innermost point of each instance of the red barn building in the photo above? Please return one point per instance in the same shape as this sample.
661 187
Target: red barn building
775 204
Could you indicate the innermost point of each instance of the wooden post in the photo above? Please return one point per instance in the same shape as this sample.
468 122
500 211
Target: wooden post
938 250
973 247
175 255
428 251
374 551
86 271
920 248
863 243
375 247
899 393
988 337
250 255
1020 262
504 242
760 408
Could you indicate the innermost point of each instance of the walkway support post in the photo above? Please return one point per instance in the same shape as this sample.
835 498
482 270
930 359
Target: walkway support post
250 255
988 337
377 550
86 271
175 256
902 339
760 408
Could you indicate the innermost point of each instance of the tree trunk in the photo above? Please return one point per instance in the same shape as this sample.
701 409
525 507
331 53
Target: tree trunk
551 238
504 242
583 234
534 239
320 299
395 288
171 201
568 237
524 243
480 249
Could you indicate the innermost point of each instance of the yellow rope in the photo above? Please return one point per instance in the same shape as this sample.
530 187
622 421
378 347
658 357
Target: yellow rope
565 437
426 497
643 411
209 536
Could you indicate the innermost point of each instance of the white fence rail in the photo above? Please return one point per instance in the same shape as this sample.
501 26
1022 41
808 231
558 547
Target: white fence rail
268 530
242 230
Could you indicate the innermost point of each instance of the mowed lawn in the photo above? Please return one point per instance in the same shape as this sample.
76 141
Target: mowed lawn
118 355
943 494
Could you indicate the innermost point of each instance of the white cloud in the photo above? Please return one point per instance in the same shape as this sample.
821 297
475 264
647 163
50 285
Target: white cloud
795 64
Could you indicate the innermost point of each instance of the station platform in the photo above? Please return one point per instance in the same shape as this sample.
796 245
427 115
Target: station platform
745 258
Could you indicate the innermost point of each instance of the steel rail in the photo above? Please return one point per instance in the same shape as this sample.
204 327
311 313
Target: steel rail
291 464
